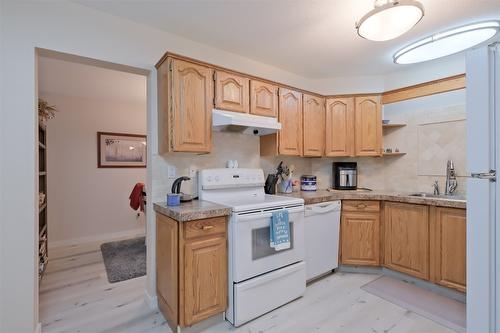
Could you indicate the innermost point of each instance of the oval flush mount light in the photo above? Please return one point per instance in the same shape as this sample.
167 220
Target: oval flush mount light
447 42
390 19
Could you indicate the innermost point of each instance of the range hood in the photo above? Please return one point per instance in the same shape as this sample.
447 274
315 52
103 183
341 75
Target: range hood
244 123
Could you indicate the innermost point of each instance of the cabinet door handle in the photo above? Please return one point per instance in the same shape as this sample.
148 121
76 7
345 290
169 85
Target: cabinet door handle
362 206
207 227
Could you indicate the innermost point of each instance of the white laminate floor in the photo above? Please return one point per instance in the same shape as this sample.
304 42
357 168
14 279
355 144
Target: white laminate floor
75 296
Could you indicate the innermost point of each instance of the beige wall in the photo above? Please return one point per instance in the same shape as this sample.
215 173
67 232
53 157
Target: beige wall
86 202
226 146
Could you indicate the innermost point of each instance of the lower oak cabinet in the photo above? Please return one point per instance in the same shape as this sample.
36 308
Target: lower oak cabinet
360 231
191 261
406 239
448 247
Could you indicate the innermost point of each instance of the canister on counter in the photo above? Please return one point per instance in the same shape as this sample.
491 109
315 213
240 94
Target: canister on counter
308 183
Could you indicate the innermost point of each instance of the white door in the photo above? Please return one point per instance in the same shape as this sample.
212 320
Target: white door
483 305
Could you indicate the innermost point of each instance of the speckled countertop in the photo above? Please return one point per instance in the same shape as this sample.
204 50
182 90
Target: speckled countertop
194 210
324 195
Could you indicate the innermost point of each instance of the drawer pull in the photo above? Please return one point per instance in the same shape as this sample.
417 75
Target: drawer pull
207 227
362 206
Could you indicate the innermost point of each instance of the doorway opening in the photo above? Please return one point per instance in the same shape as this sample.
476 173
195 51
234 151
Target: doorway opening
92 154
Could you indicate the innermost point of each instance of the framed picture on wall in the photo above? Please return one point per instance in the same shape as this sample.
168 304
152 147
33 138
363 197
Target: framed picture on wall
121 150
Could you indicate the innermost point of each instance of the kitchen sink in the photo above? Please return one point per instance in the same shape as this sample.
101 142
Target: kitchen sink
437 196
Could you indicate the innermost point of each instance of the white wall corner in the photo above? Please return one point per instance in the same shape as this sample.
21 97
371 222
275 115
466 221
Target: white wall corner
151 300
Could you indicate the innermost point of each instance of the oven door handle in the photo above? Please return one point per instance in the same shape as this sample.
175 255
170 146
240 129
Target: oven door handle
263 215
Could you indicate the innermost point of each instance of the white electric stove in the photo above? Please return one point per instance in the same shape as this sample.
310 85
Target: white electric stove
260 278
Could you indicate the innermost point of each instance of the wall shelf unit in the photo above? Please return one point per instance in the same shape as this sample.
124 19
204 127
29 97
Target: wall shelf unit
42 188
392 126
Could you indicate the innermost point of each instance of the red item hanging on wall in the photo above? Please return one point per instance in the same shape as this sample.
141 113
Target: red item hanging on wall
137 197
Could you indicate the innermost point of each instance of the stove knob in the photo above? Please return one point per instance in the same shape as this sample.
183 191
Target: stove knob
209 178
217 178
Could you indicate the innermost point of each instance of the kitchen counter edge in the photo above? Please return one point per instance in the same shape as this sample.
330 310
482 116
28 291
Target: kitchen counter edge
194 210
325 196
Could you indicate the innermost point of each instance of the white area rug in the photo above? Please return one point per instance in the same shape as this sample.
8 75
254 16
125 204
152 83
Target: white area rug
443 310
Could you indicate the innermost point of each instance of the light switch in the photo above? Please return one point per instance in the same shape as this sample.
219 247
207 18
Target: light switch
171 172
192 172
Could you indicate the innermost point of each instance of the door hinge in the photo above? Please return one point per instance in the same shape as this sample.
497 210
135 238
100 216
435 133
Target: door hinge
491 176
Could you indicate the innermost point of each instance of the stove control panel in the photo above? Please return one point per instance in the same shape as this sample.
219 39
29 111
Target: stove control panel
230 178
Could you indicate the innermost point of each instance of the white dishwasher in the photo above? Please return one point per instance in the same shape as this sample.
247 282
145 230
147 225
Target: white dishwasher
321 228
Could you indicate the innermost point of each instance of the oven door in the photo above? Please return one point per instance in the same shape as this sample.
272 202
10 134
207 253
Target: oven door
252 254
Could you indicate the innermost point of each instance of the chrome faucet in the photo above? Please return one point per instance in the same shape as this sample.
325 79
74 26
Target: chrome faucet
436 187
451 178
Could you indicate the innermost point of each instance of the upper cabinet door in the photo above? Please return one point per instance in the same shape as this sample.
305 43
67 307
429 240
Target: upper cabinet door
231 92
339 127
192 96
314 125
368 130
290 117
263 99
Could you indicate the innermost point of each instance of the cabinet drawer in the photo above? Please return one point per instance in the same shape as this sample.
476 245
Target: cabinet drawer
205 227
360 206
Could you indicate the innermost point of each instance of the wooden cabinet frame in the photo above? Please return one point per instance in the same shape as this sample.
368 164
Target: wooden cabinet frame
313 123
448 247
360 233
368 126
192 263
263 99
185 103
290 117
232 92
339 130
406 242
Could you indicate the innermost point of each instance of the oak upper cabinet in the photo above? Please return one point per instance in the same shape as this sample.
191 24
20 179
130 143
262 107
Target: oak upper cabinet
191 277
314 125
263 99
360 233
368 126
290 117
407 238
339 131
231 92
185 103
448 247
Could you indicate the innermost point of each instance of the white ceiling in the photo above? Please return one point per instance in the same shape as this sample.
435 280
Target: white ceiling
56 76
312 38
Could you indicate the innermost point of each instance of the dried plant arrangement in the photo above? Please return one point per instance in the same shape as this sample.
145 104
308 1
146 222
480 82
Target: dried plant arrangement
45 111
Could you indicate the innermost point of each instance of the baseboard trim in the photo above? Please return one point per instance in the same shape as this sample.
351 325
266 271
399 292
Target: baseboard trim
151 301
98 238
38 328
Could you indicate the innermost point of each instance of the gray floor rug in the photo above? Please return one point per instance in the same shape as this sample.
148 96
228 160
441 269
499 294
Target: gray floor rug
125 259
443 310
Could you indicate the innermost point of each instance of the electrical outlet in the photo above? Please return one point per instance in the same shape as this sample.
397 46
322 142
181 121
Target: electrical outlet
171 172
192 172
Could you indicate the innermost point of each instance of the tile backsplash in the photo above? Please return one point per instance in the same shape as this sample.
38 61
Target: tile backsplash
440 142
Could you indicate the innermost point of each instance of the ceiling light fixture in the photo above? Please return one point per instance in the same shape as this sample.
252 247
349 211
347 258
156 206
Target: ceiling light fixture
447 42
390 19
